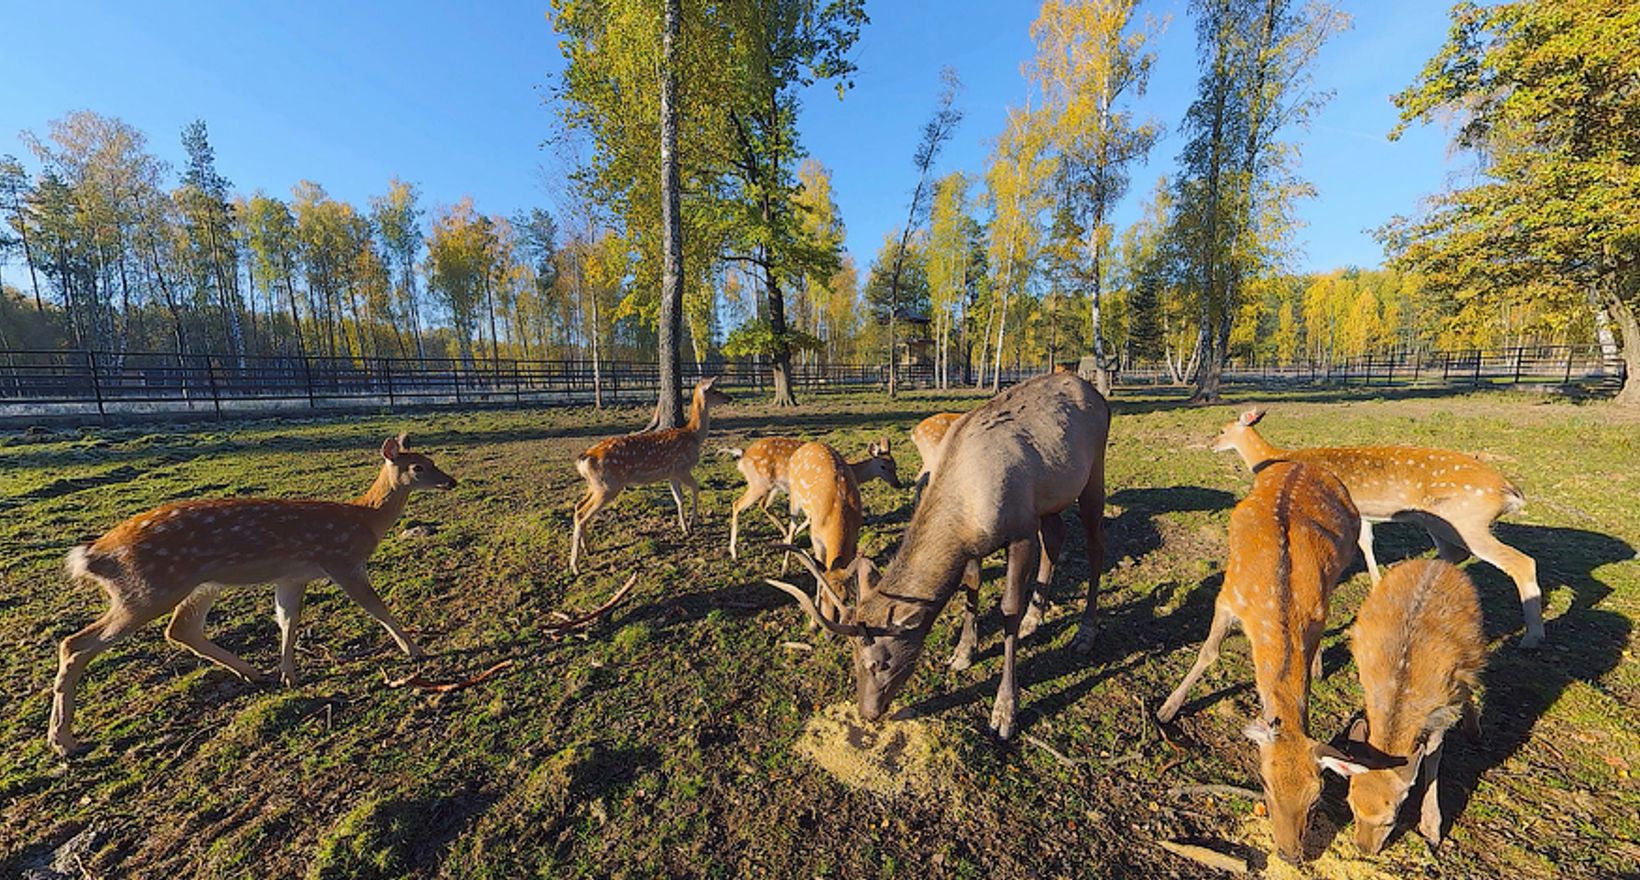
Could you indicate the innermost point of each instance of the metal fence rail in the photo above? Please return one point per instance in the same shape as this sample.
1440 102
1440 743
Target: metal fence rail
104 383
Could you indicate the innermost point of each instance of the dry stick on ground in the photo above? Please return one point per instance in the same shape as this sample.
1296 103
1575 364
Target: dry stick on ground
1068 761
1225 790
1205 856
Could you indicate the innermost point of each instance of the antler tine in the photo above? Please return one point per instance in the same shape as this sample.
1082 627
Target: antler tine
808 560
807 604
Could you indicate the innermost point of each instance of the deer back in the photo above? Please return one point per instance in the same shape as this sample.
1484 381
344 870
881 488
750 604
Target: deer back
765 461
1386 480
824 488
926 436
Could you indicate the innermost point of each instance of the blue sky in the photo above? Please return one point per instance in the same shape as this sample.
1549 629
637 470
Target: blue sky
449 96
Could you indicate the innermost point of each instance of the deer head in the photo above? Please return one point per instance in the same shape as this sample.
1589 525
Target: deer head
1290 765
412 470
887 633
880 464
707 392
1231 436
1376 795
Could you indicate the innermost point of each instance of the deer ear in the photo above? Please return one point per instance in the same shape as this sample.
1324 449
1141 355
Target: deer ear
866 575
1332 759
707 382
884 444
1358 730
1251 417
392 447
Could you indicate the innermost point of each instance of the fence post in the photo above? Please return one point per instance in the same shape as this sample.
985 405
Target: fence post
387 374
518 383
307 379
96 384
1568 379
1477 380
1520 354
210 376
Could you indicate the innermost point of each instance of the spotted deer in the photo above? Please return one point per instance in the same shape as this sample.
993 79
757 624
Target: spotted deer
1290 540
825 490
1006 469
1419 648
638 459
764 465
178 557
926 437
1455 497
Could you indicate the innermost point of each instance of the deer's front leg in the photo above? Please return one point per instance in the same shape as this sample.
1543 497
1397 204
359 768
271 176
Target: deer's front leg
356 584
1015 595
1429 817
1053 542
963 656
287 610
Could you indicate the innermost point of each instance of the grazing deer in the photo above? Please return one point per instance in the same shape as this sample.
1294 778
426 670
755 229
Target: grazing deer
1419 649
824 488
764 465
1006 469
1454 496
926 437
1290 540
638 459
179 556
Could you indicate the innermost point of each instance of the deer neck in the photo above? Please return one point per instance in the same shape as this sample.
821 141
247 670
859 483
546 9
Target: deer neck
700 419
384 501
1255 450
924 575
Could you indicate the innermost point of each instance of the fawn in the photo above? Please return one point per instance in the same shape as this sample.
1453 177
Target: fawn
177 557
1454 496
1419 648
764 464
636 459
1290 541
926 437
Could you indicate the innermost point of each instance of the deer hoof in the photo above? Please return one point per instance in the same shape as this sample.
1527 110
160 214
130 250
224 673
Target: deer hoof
1002 718
961 660
1031 620
1531 641
1086 636
68 747
1430 829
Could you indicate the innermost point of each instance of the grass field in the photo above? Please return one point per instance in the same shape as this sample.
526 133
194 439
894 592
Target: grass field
662 743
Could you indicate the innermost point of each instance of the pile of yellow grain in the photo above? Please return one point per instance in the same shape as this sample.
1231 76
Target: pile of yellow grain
888 757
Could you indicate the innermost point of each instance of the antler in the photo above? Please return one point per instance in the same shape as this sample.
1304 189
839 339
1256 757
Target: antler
807 604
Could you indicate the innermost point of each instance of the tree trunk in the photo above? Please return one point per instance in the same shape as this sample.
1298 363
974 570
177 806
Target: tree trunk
669 405
1628 329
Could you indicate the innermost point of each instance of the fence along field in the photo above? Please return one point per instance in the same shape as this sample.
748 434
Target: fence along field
69 382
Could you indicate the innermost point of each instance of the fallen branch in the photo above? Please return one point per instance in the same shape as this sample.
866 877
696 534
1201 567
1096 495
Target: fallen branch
1224 790
1205 856
416 680
570 624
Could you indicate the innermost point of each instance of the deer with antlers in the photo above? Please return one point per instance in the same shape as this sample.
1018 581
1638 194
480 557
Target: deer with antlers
178 557
1006 469
926 437
1419 648
765 463
637 459
1290 540
1455 497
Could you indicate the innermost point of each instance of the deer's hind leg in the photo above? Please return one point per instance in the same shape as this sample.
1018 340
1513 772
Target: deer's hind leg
595 499
1052 533
187 628
1090 506
74 654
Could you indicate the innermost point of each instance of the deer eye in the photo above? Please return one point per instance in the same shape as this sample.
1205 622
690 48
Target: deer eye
415 469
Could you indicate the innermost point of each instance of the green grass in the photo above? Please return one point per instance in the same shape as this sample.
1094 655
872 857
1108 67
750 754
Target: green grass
661 741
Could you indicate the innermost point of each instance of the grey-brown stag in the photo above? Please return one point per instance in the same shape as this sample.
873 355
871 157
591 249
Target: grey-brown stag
1009 469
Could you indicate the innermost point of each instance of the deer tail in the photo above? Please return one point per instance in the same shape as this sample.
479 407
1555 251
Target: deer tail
734 451
1514 500
84 563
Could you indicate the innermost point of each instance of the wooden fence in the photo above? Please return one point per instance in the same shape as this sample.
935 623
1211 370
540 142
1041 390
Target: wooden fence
135 383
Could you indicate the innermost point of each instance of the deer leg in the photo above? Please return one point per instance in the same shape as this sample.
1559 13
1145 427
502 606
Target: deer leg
287 610
778 525
73 654
1471 720
694 499
1222 621
963 656
594 501
1429 815
677 498
1519 567
747 499
1366 551
356 584
1052 535
917 487
1091 507
187 628
1015 595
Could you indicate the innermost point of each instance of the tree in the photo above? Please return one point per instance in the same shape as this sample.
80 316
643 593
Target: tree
669 409
14 198
456 265
1544 92
208 223
951 245
1089 59
936 131
1238 183
1015 186
397 217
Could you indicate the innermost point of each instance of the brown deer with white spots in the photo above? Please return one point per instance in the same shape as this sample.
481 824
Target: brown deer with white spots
1290 540
927 437
764 464
1419 648
176 558
1008 470
1454 496
666 456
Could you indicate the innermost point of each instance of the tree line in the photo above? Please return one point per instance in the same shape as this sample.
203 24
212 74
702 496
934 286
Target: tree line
695 224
